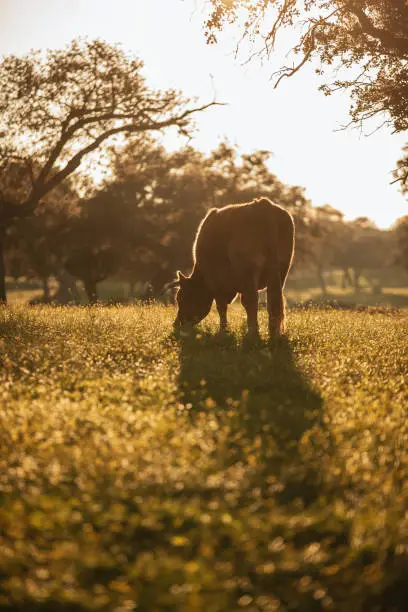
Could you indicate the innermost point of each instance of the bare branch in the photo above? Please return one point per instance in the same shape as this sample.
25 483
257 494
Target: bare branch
288 72
400 179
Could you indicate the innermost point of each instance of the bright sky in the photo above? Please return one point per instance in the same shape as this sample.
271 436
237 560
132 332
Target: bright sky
346 169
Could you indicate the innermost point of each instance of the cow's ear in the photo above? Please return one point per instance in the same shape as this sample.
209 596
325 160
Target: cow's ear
180 276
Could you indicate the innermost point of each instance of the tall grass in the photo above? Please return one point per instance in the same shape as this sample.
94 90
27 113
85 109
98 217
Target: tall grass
141 471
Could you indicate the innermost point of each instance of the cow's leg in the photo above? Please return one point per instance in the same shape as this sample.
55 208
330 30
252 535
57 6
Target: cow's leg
222 306
276 304
249 299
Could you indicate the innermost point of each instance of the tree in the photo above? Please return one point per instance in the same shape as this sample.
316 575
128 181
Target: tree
140 224
367 250
36 245
401 229
365 41
92 266
58 107
401 172
327 235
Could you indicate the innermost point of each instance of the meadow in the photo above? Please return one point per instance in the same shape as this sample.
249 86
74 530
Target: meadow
145 471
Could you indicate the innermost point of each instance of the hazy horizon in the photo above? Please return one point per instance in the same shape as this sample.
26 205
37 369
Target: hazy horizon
345 169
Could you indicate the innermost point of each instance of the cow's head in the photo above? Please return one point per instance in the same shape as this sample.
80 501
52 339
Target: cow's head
193 299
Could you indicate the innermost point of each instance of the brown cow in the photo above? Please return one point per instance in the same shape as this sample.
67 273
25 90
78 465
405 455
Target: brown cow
239 249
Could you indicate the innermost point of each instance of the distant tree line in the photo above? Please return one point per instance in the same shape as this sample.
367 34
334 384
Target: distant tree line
139 225
59 109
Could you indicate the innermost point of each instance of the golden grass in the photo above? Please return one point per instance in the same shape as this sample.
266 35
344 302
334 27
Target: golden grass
202 473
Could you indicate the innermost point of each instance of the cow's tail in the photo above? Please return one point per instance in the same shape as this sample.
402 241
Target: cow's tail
280 256
285 244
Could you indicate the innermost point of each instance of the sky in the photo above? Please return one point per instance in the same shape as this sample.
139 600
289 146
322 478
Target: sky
345 168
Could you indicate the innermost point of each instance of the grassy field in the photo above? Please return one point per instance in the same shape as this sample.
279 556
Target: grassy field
140 471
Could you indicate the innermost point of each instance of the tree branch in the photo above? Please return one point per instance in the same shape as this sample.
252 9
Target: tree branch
400 179
393 43
73 164
310 39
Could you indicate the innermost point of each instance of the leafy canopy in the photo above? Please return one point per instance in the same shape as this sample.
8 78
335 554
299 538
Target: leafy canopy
401 171
364 41
58 106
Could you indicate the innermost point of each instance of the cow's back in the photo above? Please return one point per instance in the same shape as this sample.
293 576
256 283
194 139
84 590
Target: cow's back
236 242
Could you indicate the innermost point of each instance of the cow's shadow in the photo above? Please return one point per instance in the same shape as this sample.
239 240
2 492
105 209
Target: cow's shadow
269 407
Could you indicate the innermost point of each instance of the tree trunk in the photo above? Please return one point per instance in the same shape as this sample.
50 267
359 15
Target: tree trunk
376 287
3 295
67 292
46 289
357 274
322 282
346 280
90 290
